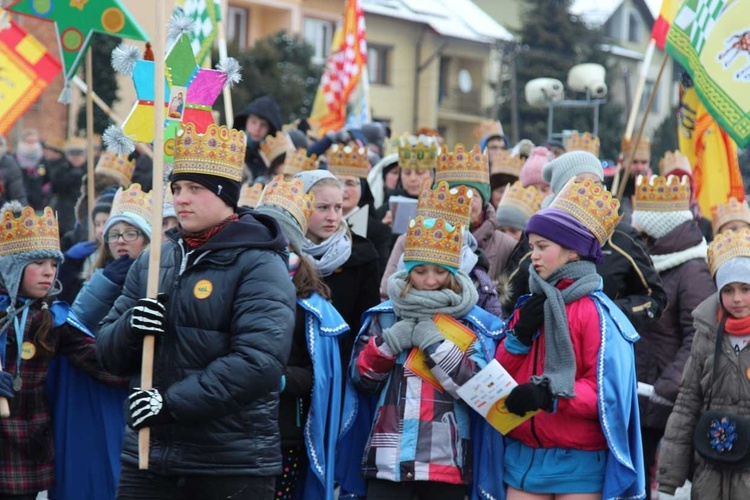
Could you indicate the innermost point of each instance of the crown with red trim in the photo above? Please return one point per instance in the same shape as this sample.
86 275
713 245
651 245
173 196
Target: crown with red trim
657 193
592 205
443 202
289 195
433 241
727 246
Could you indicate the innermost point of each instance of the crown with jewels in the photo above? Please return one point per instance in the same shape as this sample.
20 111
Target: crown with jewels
592 205
657 193
219 152
419 153
503 162
348 161
460 166
117 166
731 211
298 161
433 241
526 199
642 152
443 202
132 200
274 146
672 161
289 195
727 246
487 128
583 142
29 231
250 195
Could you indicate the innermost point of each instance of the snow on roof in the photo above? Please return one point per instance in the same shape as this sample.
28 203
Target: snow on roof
597 12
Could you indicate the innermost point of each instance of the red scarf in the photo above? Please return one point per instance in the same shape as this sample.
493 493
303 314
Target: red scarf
199 238
735 326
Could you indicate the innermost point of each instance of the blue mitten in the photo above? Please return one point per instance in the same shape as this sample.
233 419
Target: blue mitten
81 250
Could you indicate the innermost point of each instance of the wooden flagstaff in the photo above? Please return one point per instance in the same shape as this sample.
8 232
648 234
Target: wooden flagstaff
90 193
639 90
147 362
228 108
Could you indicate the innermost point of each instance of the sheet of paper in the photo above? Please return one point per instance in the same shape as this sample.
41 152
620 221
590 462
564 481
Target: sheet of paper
403 209
358 220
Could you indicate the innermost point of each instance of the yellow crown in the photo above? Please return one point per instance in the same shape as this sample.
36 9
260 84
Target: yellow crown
298 161
433 241
642 152
419 153
348 161
503 162
132 200
274 146
390 146
219 152
289 195
727 246
460 166
29 231
583 142
661 194
250 195
526 199
118 166
730 211
592 205
674 161
487 128
442 202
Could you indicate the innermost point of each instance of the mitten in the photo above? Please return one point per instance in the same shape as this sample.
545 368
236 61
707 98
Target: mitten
81 250
117 270
6 385
426 334
529 397
147 408
147 317
530 319
398 337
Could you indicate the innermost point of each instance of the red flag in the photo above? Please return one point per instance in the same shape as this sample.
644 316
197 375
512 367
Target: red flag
664 21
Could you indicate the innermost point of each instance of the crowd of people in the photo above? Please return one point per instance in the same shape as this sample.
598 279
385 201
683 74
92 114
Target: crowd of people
305 281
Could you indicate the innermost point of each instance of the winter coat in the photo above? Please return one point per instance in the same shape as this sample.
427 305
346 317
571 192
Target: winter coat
219 364
665 344
66 184
731 393
495 244
12 181
36 183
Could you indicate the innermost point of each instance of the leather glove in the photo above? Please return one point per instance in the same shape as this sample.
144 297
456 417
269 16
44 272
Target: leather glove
147 408
399 336
6 385
529 397
147 317
426 334
117 270
530 319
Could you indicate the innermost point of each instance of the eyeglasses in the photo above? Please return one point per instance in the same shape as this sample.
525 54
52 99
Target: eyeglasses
127 236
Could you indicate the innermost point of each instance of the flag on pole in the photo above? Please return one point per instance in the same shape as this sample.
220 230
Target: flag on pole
205 15
664 21
343 92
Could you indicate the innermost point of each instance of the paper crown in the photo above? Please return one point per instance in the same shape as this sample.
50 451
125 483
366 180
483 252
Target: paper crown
118 166
274 146
219 152
250 195
29 231
298 161
592 205
348 161
526 199
390 146
730 211
460 166
503 162
727 246
672 161
487 128
656 193
442 202
419 153
642 152
289 195
433 241
583 142
132 200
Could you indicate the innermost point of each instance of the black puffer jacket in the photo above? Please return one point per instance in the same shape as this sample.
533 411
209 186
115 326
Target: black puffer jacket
229 325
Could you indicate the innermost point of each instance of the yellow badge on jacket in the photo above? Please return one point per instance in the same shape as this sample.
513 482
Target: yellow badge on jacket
203 289
28 351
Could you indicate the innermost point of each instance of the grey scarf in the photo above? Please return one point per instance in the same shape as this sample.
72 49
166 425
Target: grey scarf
331 253
559 359
421 304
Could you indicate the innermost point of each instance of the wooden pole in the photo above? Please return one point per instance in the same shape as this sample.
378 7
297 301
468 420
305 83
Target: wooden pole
639 90
147 361
90 140
227 92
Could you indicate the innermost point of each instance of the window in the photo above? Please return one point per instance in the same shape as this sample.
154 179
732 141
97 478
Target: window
319 34
647 89
237 27
378 62
634 32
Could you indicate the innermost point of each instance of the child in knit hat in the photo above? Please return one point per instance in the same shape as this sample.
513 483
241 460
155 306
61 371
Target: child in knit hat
578 164
531 173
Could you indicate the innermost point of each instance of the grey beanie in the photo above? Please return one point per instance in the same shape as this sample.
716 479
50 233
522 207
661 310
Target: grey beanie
288 225
563 168
311 177
508 215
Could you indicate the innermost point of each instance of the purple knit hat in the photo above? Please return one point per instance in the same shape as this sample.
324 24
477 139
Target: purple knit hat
565 230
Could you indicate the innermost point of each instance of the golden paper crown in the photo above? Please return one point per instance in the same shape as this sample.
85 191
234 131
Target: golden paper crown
298 161
487 128
219 152
726 246
503 162
433 241
592 205
419 153
132 200
583 142
250 195
526 199
442 202
390 146
29 232
642 152
459 166
289 195
672 161
662 194
348 161
730 211
118 166
274 146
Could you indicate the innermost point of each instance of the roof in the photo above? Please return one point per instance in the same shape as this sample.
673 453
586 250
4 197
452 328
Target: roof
460 19
596 12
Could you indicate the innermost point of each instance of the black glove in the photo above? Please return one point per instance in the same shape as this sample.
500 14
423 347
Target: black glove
6 385
117 270
529 397
147 408
148 316
530 319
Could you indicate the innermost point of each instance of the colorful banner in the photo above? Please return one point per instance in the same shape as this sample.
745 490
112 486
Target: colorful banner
711 39
664 21
205 15
26 69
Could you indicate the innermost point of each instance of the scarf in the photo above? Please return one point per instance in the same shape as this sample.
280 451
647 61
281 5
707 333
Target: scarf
559 358
29 156
669 260
734 326
199 238
332 253
422 304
